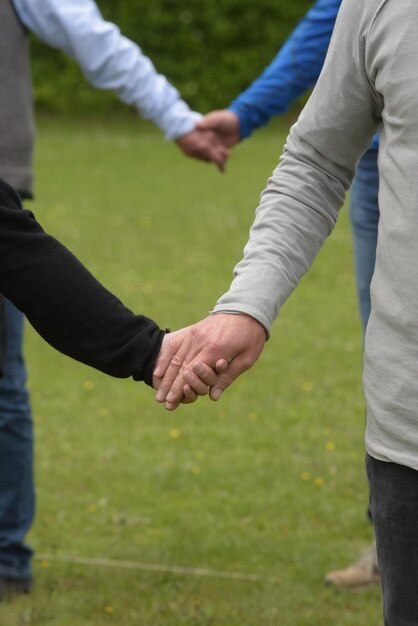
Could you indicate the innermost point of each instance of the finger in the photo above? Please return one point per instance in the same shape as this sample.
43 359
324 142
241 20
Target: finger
217 157
175 394
206 124
218 151
171 406
168 349
189 395
172 371
198 385
221 366
204 372
226 379
162 363
221 159
156 382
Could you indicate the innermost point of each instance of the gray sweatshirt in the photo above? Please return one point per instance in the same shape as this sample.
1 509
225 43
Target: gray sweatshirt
369 80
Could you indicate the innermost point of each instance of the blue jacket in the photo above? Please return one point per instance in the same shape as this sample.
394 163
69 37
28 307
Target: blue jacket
295 69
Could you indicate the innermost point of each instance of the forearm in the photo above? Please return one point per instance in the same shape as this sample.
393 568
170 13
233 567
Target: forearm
298 210
295 69
301 202
108 59
69 308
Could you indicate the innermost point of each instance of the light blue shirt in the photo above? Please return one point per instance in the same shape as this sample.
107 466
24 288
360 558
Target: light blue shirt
108 60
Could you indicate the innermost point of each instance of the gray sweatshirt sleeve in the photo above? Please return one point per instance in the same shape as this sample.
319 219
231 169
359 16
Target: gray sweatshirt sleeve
299 207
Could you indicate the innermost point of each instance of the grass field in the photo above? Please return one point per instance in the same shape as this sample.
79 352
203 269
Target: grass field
269 482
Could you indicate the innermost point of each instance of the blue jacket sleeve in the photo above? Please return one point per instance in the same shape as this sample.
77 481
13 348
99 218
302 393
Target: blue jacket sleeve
295 68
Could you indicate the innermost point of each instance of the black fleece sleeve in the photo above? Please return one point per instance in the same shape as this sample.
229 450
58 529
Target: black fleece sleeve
68 307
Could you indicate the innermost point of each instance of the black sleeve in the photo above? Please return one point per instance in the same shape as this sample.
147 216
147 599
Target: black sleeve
68 307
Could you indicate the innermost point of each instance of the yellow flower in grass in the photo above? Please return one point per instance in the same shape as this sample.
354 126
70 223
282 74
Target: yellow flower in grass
108 609
88 385
330 445
305 476
174 433
307 387
319 482
44 564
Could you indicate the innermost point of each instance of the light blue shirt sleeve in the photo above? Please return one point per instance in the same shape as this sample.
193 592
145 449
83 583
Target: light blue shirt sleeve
108 60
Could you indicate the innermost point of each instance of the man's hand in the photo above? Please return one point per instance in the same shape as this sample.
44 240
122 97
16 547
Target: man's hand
205 145
227 344
202 382
225 123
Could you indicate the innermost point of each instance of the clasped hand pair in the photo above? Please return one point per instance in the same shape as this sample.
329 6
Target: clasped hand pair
206 358
212 138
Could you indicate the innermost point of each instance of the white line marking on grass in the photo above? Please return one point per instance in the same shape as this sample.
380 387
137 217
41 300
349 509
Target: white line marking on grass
155 567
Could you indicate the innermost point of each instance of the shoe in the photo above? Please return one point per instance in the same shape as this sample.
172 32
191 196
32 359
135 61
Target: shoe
10 587
363 573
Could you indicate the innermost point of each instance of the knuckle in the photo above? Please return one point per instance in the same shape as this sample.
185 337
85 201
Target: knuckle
176 361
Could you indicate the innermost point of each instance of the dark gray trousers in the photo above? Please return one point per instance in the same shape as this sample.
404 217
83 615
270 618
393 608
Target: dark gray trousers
2 335
394 507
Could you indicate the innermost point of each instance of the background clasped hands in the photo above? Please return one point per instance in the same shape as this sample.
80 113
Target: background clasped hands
212 138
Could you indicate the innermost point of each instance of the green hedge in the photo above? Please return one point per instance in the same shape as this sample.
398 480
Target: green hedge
210 50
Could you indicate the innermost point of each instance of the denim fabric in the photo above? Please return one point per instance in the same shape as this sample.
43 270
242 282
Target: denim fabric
364 214
17 500
394 504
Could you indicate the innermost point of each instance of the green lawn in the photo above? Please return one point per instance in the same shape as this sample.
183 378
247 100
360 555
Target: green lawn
268 482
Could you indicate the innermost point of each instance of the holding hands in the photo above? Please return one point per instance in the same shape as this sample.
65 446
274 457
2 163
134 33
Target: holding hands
212 137
205 145
206 357
224 123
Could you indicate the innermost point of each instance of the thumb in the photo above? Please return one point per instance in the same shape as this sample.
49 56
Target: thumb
208 122
226 379
203 124
221 366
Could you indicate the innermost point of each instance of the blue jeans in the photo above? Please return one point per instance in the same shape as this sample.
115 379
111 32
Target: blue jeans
364 214
17 498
